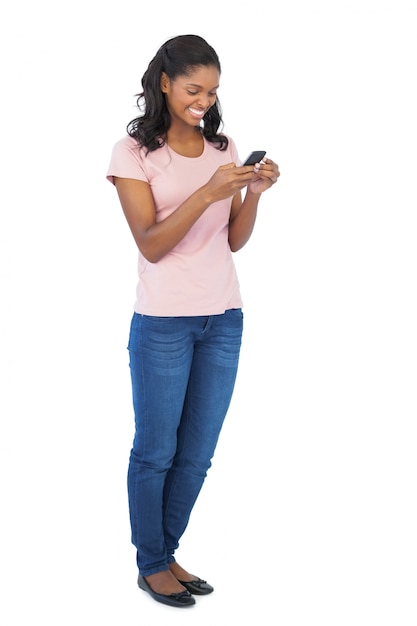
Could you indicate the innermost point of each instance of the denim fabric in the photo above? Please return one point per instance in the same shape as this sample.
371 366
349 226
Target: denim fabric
183 372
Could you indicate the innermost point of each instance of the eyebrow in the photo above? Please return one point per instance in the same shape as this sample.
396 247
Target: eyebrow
199 86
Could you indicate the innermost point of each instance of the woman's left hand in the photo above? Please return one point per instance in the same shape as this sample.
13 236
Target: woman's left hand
266 174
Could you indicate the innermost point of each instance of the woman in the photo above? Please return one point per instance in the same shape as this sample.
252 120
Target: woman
179 183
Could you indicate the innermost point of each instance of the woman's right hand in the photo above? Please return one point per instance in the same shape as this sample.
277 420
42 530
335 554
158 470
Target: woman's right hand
227 180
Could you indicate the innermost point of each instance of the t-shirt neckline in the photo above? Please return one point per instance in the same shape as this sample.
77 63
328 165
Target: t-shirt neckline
181 156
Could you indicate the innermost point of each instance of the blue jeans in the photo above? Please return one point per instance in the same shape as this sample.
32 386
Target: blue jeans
183 372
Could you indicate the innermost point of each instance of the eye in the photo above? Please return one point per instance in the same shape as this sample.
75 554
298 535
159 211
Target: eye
195 93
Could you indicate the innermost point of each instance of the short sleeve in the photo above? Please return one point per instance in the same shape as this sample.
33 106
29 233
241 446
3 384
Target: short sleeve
234 152
126 161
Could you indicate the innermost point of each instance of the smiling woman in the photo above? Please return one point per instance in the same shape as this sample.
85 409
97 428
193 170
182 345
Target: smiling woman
179 181
196 93
188 99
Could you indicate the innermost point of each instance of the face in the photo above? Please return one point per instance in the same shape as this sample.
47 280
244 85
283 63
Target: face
190 97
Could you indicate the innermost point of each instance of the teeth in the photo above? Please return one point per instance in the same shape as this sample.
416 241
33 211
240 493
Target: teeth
196 111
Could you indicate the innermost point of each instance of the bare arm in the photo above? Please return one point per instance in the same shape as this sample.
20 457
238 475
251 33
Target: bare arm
155 239
243 214
242 219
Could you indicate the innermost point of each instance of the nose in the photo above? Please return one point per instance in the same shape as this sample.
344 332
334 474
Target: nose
204 101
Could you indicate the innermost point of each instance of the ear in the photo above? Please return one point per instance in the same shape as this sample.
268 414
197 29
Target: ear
164 82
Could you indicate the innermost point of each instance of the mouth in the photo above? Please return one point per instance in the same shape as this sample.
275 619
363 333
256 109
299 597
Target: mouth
197 113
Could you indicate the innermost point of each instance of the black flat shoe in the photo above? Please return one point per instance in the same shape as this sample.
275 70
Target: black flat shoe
181 599
197 587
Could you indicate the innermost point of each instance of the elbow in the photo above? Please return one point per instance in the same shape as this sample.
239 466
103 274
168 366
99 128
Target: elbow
235 245
149 251
150 254
151 257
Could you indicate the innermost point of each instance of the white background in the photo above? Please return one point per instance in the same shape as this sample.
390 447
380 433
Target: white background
308 515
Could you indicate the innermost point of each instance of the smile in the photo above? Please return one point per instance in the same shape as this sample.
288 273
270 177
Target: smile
197 112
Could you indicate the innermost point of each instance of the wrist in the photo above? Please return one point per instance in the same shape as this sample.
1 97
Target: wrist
204 196
252 195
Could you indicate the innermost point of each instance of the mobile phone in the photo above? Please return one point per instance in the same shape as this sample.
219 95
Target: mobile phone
255 157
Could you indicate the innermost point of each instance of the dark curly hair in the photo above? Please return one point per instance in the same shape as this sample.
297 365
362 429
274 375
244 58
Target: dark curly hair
176 57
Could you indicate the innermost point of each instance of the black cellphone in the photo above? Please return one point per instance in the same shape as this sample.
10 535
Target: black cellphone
255 157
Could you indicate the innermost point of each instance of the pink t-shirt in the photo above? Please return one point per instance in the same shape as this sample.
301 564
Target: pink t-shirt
198 277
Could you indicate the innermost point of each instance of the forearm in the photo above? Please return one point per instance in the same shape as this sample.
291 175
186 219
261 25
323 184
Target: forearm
161 237
155 238
242 223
